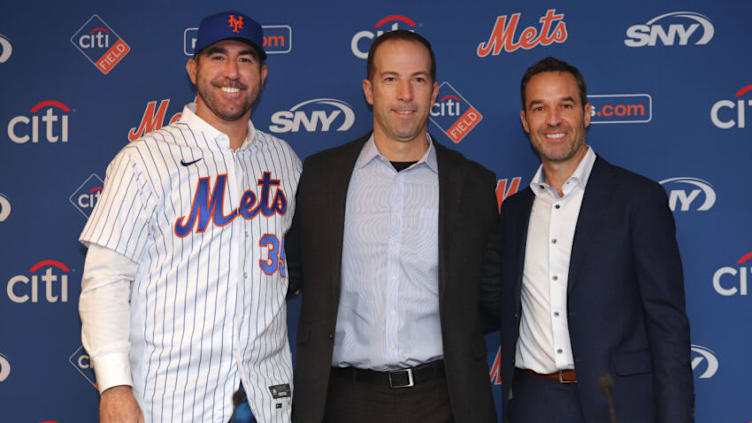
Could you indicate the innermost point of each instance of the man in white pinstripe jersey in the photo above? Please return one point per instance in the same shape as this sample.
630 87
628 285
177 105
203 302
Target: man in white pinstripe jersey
183 292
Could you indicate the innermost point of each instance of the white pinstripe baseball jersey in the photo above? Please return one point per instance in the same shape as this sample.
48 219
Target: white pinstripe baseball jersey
207 307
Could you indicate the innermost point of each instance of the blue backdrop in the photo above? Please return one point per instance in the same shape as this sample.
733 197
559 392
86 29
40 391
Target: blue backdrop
670 83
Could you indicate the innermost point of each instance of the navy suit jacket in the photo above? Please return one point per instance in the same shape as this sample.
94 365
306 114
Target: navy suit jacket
625 298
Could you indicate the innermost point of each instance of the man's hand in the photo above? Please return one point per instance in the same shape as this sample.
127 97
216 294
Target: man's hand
118 405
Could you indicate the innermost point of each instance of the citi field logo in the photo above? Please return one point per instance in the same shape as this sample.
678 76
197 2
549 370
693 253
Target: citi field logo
277 39
82 363
453 114
54 125
621 108
6 49
152 119
4 368
684 192
668 27
314 115
54 283
495 372
4 207
100 44
704 362
722 112
360 47
86 196
505 188
552 30
729 281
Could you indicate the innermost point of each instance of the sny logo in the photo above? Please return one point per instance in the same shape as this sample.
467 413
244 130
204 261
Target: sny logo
322 112
621 108
504 189
4 368
100 44
740 106
650 32
503 32
6 49
738 284
678 196
4 207
205 210
277 39
51 121
152 119
80 361
453 114
702 355
54 292
361 52
86 196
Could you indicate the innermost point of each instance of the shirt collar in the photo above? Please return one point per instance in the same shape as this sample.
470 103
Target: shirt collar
579 177
190 117
371 152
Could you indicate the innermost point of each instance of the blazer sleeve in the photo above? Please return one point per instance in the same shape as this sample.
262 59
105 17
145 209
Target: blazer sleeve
490 283
659 272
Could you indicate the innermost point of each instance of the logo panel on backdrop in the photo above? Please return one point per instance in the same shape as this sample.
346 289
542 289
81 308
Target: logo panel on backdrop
726 114
675 28
360 47
6 49
86 196
49 286
504 36
621 108
100 44
691 200
453 114
277 39
732 280
52 126
316 115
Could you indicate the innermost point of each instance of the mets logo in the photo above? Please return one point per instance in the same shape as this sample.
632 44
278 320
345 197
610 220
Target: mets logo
235 23
208 206
100 44
505 28
453 114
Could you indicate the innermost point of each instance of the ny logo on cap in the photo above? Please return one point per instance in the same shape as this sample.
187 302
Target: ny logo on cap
236 23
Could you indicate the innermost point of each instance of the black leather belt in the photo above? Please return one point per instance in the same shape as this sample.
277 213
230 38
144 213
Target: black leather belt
395 379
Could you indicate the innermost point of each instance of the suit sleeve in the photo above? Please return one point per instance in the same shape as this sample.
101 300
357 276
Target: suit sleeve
659 272
293 241
490 284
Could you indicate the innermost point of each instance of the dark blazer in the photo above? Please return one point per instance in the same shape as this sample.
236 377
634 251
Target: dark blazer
468 227
625 298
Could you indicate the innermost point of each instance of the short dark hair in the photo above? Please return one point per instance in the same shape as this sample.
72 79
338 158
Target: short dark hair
404 35
552 64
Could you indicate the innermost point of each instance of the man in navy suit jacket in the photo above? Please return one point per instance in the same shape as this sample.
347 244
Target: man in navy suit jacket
592 286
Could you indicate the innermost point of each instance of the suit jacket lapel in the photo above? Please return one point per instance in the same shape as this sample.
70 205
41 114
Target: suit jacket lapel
336 185
451 179
521 234
597 192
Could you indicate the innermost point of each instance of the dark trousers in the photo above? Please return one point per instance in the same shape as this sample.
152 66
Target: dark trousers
538 400
348 402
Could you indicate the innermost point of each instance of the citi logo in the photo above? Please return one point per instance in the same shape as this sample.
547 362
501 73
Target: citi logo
100 44
152 119
96 38
495 372
360 50
4 208
722 115
729 281
86 196
684 192
504 30
4 368
54 125
314 115
25 288
6 49
82 363
704 362
505 188
658 29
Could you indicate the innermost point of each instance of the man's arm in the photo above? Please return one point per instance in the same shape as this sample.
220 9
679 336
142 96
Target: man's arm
104 307
659 272
490 284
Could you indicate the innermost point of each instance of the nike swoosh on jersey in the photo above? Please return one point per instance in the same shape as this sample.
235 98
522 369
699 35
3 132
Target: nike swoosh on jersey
184 163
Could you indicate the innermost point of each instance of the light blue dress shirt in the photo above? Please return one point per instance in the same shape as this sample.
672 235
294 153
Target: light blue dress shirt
389 302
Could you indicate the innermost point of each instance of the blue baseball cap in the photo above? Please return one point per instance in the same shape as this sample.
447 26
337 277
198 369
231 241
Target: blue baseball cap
230 25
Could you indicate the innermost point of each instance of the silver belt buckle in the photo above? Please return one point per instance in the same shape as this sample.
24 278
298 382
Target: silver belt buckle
410 381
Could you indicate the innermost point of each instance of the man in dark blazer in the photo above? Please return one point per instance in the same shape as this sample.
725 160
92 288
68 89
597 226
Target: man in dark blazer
592 287
391 238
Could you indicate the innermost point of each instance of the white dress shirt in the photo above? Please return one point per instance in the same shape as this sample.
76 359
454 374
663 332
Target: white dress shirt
544 345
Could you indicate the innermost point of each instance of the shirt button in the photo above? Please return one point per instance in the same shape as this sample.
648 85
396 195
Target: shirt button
556 314
559 351
331 336
246 234
557 206
553 241
245 275
394 277
391 312
556 278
